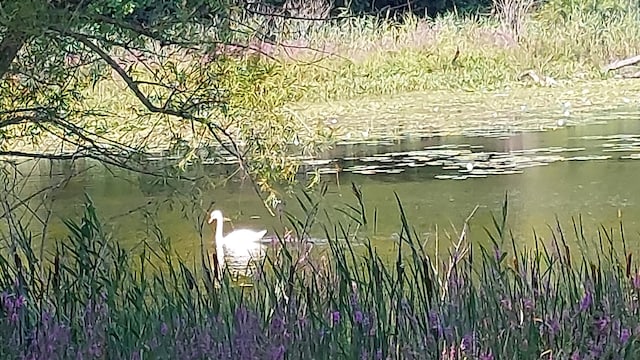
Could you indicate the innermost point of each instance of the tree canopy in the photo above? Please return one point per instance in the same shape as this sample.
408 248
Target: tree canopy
114 79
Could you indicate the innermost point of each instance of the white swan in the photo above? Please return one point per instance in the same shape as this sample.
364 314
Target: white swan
243 244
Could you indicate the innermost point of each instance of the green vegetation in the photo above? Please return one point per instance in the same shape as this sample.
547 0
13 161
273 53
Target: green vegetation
208 81
420 55
230 87
95 300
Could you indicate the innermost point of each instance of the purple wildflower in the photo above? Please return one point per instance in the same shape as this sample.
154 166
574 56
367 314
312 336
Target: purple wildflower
576 355
435 324
586 301
364 355
19 302
553 325
277 353
433 319
625 334
595 349
335 317
497 253
164 329
636 281
466 343
602 324
277 324
366 320
528 304
486 356
95 350
358 317
379 354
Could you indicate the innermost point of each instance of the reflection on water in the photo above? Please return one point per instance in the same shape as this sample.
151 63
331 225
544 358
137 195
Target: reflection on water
243 259
589 171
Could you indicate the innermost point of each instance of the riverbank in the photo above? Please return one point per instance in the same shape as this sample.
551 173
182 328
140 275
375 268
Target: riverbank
371 57
365 78
368 66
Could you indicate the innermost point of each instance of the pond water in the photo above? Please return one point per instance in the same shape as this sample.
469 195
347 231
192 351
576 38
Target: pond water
589 170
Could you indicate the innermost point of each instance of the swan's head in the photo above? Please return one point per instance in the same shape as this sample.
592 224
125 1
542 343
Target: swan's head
217 215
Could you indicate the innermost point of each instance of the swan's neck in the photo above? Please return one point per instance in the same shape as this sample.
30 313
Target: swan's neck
219 239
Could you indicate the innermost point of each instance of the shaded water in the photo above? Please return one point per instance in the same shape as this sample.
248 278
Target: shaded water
590 170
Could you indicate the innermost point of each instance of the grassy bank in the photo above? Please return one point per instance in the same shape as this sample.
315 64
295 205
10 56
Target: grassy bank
95 300
374 57
363 77
367 59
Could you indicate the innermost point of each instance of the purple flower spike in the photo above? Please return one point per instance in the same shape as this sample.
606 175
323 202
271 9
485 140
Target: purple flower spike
497 253
486 356
164 329
335 317
358 317
528 304
554 326
636 281
506 303
379 354
625 334
603 323
20 301
278 353
586 301
466 343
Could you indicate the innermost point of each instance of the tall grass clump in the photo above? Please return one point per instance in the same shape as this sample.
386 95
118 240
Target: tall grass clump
584 35
93 299
358 56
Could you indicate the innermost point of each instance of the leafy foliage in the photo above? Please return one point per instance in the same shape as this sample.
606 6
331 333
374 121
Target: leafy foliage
177 73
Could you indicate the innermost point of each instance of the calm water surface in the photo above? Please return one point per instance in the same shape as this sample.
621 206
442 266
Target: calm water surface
592 171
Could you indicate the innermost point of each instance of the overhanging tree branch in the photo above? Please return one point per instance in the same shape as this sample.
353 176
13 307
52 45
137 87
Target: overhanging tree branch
133 86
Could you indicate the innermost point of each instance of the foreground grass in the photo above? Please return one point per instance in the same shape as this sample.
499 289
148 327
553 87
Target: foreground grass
96 300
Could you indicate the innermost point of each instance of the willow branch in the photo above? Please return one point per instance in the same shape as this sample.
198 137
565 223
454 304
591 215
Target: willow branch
133 86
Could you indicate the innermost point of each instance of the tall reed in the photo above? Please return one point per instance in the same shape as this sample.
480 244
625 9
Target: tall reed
93 299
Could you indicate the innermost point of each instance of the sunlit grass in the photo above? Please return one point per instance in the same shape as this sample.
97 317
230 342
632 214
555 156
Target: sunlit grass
419 55
367 57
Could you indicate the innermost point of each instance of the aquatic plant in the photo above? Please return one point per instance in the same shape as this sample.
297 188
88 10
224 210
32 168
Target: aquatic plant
494 300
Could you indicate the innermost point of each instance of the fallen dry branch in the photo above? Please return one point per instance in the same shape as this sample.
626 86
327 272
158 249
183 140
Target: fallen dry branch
621 63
